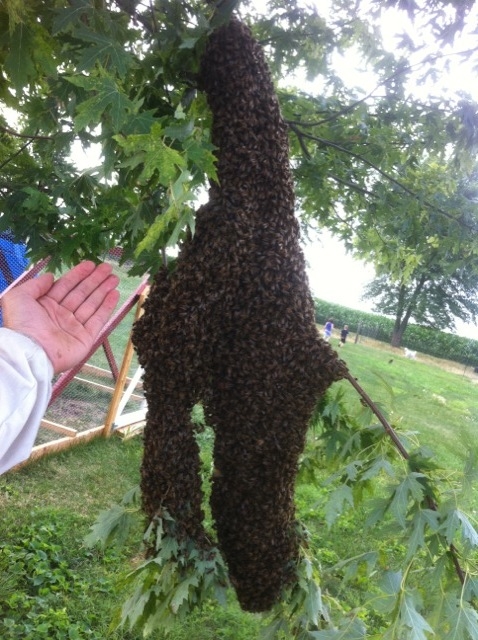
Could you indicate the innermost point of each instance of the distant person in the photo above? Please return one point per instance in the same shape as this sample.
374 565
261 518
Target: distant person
343 335
329 326
50 326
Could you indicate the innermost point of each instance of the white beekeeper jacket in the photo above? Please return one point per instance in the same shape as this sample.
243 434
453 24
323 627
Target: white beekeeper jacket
25 390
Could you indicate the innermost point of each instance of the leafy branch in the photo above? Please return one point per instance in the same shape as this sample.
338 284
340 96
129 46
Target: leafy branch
329 143
396 74
175 577
178 576
406 456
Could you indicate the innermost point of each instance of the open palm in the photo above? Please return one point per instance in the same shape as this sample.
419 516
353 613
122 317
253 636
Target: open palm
63 316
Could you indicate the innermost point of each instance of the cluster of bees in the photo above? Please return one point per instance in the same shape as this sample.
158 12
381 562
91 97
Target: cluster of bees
234 328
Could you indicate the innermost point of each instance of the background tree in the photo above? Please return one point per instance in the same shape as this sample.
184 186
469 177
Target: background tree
430 300
425 256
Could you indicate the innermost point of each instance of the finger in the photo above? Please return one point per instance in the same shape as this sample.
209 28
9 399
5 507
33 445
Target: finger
35 287
84 287
98 320
95 300
70 280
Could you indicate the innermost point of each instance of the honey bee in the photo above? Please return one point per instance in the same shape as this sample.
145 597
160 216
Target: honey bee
234 327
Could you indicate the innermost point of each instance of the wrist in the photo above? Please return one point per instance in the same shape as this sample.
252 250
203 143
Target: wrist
28 343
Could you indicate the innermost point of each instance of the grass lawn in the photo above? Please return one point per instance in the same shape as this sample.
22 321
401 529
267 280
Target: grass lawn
435 398
52 587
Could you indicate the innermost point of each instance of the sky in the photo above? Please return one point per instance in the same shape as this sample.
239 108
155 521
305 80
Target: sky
336 276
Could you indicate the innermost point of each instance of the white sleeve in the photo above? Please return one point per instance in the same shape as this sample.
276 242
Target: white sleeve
25 390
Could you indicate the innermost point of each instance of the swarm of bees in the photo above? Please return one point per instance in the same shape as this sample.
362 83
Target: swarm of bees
234 328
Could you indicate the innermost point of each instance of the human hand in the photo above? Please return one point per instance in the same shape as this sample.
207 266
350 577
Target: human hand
63 316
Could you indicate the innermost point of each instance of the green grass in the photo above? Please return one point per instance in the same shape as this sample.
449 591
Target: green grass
66 492
62 590
420 395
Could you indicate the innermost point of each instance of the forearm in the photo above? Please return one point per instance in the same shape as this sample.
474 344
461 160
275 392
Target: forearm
25 390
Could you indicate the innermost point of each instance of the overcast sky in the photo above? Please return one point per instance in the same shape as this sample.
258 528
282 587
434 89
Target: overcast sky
336 276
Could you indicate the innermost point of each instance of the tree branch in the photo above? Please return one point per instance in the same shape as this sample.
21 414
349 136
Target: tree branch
372 165
393 76
17 153
35 136
406 456
351 185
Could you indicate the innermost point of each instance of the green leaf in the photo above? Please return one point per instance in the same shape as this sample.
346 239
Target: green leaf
182 592
167 548
201 154
111 523
470 588
138 123
158 229
186 219
468 531
104 51
313 603
423 520
69 16
378 508
391 582
349 629
19 61
413 620
456 520
378 465
462 620
136 607
109 99
155 156
409 489
351 566
337 500
180 131
275 629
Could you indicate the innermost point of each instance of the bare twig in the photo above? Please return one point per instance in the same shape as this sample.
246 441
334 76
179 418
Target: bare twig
17 153
26 136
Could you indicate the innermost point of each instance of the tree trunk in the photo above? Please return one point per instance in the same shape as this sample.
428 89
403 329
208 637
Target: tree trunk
397 328
401 319
397 334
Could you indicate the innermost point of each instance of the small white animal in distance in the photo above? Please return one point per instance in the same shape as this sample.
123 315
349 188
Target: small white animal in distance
410 354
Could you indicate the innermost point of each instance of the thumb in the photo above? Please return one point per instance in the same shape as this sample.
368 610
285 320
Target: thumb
36 287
